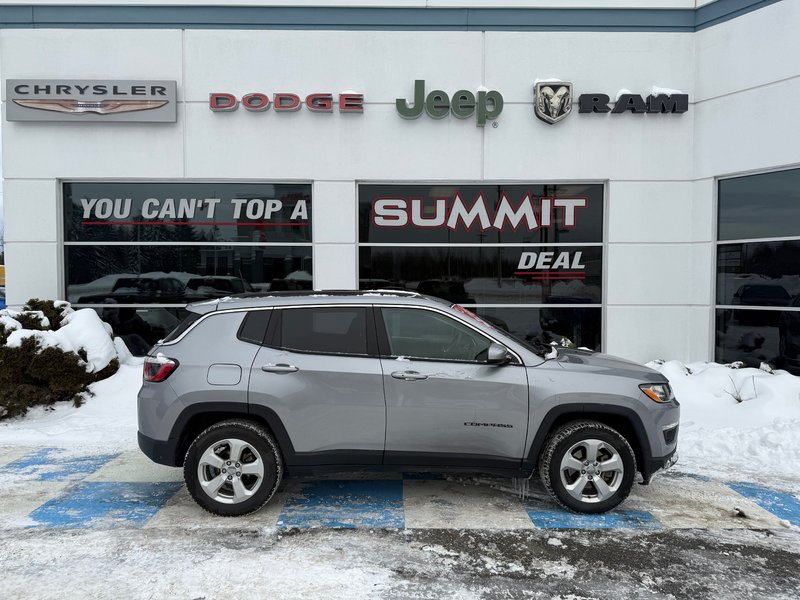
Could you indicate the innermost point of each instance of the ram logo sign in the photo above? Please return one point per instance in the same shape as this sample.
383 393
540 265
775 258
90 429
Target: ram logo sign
552 101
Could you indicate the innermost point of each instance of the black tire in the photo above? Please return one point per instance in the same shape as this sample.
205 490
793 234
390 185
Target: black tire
257 444
573 436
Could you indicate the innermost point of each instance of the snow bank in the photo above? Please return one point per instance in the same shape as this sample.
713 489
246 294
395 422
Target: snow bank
80 329
740 424
106 421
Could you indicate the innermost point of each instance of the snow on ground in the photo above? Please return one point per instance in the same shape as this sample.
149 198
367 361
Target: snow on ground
737 424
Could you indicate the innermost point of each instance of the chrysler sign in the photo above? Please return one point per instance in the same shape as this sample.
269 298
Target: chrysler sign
81 101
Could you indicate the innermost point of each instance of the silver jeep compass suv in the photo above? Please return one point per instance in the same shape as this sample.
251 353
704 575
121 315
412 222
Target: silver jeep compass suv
247 390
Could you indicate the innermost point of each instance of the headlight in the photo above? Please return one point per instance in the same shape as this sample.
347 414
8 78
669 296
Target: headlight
658 392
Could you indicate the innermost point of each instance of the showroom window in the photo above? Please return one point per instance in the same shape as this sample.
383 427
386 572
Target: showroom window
139 252
527 258
758 270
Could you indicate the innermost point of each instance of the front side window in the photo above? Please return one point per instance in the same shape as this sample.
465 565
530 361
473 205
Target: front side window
425 334
325 330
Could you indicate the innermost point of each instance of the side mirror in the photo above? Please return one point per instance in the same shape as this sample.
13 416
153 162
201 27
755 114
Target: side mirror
497 354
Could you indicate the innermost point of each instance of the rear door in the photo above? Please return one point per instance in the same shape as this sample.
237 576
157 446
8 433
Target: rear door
445 404
319 371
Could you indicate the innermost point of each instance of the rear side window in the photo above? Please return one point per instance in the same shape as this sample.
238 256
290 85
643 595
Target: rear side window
182 326
326 330
254 326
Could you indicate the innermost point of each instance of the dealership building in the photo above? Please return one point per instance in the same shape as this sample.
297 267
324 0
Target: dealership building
623 174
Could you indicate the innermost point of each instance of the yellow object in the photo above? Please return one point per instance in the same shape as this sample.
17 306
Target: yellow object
2 275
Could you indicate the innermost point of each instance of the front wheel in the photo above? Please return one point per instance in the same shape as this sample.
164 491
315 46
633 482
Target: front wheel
233 468
588 467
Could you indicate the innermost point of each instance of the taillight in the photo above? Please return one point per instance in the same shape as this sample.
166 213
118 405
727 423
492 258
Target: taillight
158 368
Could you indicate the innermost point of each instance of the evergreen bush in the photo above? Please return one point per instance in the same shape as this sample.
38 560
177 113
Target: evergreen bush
33 375
54 313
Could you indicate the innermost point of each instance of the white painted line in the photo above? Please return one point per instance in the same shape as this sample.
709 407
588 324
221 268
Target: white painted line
134 466
681 502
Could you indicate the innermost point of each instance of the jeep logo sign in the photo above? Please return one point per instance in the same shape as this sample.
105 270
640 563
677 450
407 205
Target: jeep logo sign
485 105
87 101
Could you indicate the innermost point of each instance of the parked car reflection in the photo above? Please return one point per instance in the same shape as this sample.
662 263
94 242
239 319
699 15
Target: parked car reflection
759 295
789 337
216 286
140 290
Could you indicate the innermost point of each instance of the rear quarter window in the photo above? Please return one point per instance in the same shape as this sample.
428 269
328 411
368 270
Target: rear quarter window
254 326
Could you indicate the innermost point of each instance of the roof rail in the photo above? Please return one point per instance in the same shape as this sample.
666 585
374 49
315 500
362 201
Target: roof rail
390 292
301 293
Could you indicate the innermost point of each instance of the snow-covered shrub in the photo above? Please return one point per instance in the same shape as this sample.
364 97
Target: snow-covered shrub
50 353
53 311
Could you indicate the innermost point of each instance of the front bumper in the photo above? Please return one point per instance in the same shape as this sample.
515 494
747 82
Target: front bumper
655 465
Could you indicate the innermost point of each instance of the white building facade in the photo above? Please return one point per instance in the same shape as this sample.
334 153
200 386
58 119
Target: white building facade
634 231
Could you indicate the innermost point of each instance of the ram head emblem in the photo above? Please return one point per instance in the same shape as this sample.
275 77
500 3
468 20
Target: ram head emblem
552 101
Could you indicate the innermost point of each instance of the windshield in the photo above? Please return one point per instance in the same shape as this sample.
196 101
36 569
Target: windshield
535 346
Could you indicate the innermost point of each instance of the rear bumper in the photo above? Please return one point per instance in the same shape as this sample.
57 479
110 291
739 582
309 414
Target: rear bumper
160 451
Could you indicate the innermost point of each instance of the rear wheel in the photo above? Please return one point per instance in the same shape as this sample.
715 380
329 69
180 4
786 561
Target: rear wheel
588 467
233 468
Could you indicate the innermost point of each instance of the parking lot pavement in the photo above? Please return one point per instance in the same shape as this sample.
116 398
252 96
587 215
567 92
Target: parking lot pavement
48 488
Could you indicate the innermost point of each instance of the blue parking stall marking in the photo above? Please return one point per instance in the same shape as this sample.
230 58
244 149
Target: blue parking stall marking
104 505
345 504
621 519
53 464
783 505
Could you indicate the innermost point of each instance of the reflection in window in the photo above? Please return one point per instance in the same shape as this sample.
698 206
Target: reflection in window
760 206
181 274
758 273
547 324
140 328
327 330
755 336
487 275
758 282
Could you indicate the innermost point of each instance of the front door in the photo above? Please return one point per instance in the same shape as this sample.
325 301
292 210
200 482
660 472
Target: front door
443 399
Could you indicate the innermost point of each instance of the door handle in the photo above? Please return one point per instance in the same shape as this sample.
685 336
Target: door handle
409 375
279 368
